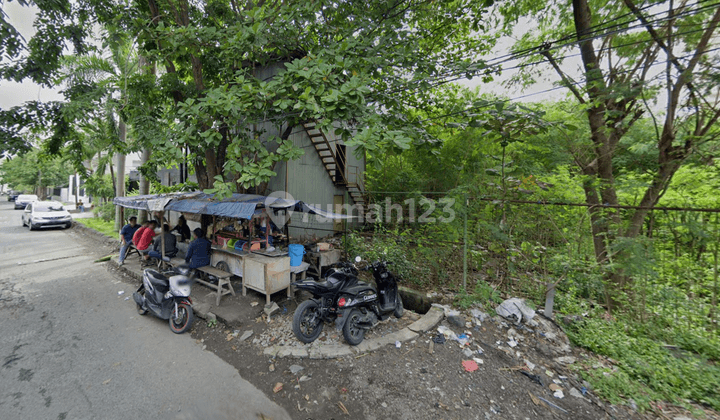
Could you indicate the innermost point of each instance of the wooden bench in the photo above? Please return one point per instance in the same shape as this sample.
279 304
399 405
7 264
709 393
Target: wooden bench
223 279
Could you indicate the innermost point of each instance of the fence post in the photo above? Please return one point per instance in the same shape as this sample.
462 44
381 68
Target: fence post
465 241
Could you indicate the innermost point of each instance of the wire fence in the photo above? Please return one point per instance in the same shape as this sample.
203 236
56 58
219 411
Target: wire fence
488 246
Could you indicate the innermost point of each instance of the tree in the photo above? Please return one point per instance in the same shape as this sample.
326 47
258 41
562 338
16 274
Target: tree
359 63
34 172
619 45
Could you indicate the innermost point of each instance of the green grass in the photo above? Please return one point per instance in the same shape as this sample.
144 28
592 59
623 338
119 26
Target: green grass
645 370
106 228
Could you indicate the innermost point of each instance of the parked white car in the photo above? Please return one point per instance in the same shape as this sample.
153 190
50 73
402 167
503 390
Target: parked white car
44 214
23 200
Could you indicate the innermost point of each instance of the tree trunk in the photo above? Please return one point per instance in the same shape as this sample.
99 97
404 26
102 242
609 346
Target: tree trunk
144 185
120 176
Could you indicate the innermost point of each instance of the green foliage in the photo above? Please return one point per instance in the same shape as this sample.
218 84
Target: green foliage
33 170
645 370
482 294
105 212
106 227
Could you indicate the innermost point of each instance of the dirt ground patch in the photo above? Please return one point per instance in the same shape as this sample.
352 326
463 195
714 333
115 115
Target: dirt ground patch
418 380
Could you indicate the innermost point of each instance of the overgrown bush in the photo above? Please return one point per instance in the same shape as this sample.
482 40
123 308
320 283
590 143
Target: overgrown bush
105 211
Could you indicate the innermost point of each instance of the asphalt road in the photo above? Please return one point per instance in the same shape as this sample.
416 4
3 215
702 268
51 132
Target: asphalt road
71 347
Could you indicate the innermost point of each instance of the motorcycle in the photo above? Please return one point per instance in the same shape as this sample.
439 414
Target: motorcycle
354 306
167 297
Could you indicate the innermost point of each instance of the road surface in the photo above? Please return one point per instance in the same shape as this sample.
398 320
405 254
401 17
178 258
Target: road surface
72 347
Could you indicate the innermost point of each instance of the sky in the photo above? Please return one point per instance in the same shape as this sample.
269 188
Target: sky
14 94
11 93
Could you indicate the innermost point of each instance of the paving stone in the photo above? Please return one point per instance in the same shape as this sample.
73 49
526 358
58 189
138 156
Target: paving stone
428 321
335 351
292 352
368 345
271 351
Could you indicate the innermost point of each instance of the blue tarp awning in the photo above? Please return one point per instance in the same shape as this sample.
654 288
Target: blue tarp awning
241 206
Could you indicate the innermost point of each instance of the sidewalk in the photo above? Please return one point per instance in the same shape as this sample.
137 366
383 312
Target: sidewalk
243 310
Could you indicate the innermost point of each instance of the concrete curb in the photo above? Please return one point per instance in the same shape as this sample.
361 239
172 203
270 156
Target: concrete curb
426 323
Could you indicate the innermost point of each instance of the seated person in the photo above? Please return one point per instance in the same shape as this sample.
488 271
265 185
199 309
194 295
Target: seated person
198 253
171 249
274 231
126 234
183 229
144 237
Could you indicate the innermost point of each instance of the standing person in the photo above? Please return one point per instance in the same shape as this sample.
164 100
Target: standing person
198 253
170 244
81 206
126 236
182 228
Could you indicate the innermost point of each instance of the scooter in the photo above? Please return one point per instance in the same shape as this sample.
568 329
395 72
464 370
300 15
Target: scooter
354 306
167 297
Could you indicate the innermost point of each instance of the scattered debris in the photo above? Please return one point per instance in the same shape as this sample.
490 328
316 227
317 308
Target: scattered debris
342 407
254 304
470 365
566 360
440 339
575 393
478 315
294 369
246 335
535 378
456 320
515 310
278 387
122 292
271 368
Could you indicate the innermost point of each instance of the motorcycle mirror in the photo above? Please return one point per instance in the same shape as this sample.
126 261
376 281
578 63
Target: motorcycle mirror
358 259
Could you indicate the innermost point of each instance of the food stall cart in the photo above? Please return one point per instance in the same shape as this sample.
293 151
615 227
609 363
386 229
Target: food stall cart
260 270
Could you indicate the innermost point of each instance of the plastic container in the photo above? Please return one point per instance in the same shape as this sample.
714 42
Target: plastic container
231 243
296 252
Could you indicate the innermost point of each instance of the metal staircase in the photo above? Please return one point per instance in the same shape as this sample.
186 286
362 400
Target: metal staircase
341 174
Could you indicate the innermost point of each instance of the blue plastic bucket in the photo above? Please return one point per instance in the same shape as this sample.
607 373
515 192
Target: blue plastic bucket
296 252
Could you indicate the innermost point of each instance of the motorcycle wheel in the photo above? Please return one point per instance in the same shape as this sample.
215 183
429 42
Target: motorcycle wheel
140 309
184 319
399 308
307 323
353 334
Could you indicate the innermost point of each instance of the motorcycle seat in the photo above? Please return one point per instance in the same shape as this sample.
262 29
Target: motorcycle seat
158 280
358 288
330 284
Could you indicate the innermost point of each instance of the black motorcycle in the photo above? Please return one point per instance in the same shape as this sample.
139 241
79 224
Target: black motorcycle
167 297
353 305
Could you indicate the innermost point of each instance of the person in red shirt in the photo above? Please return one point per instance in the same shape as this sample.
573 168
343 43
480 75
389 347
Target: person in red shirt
146 237
138 233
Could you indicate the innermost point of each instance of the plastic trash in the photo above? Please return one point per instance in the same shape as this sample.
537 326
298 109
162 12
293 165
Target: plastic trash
479 315
398 344
470 365
447 332
516 310
463 339
440 339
